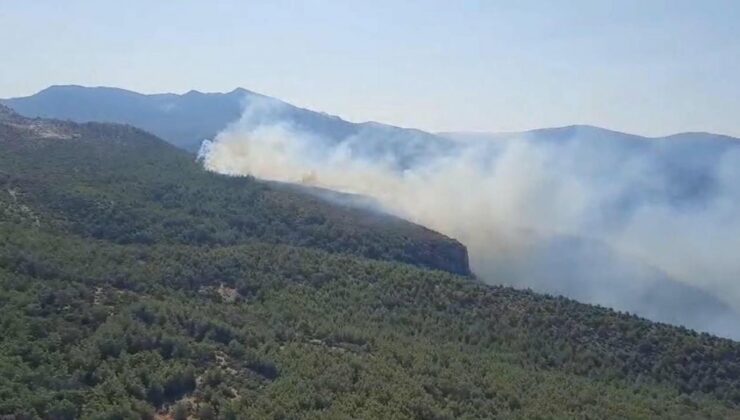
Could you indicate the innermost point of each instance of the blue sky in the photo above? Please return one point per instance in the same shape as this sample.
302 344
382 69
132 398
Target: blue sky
651 67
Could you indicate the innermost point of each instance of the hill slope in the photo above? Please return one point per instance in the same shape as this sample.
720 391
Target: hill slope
121 184
114 306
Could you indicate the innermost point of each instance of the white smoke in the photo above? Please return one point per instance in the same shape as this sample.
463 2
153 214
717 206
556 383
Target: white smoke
609 222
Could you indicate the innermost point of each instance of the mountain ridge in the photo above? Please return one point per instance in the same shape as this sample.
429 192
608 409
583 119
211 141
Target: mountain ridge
241 91
497 135
113 104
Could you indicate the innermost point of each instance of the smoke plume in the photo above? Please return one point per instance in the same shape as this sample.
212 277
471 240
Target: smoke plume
650 226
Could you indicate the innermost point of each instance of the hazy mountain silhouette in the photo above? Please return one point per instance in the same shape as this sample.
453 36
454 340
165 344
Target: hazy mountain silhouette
186 120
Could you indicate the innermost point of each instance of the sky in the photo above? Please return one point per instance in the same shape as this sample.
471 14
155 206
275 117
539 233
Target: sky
651 67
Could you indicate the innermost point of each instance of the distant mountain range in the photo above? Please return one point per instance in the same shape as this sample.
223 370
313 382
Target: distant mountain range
570 131
185 120
188 119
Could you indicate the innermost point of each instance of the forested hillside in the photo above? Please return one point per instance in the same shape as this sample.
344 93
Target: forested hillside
133 284
124 185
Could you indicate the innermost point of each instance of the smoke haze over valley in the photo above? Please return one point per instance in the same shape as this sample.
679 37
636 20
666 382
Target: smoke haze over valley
646 225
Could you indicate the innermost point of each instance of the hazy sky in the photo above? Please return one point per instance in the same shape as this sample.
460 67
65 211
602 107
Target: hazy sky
649 67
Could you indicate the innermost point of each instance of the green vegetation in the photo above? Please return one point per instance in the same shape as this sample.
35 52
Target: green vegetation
120 301
123 185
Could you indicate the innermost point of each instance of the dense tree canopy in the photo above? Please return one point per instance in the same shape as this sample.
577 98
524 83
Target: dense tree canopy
135 285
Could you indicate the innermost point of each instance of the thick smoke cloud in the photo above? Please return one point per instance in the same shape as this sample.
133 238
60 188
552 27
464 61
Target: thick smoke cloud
650 226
